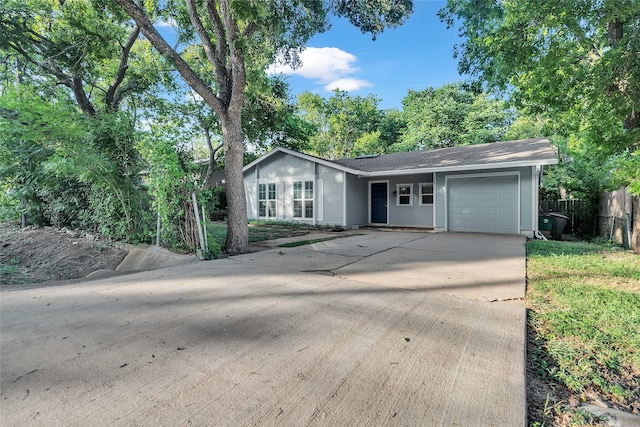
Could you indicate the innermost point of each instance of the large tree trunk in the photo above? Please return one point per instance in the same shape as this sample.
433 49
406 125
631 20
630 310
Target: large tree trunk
237 231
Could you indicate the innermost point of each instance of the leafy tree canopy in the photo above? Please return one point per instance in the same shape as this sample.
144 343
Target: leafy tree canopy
90 48
347 126
449 116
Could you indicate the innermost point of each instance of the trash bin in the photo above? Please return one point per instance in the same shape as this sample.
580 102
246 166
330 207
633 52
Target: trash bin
545 223
559 222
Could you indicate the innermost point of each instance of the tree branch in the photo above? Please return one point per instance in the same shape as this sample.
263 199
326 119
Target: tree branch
209 47
81 96
236 58
122 69
220 65
190 76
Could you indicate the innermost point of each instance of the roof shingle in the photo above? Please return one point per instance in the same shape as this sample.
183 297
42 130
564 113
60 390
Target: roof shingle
535 151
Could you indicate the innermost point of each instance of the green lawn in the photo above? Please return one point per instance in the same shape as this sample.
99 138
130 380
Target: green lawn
584 302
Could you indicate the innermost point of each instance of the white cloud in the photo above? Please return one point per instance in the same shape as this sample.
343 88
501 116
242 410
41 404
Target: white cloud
162 23
347 84
327 65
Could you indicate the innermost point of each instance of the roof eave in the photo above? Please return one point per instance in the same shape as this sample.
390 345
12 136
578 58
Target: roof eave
458 168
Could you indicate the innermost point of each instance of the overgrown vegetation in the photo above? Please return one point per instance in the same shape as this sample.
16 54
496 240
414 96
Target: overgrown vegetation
584 312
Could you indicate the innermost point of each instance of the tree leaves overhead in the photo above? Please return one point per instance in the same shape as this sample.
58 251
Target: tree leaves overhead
373 16
89 47
575 58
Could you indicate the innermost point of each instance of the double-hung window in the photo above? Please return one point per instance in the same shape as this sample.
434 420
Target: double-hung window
426 193
404 194
303 199
267 200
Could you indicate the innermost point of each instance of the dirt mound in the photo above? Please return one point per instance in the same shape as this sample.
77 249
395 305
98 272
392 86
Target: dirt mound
35 255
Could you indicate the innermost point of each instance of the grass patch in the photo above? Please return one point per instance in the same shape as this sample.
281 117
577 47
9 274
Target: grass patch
584 302
259 231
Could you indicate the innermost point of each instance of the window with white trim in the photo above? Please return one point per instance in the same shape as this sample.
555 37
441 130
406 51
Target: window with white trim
303 199
426 193
267 200
404 194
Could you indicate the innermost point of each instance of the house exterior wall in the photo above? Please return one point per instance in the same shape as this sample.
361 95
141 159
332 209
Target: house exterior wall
251 192
357 201
332 195
415 215
283 170
527 190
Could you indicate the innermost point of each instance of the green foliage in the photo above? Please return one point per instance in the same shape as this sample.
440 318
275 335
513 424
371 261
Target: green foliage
374 17
527 126
627 172
576 63
270 118
346 126
89 48
67 169
450 116
26 142
584 300
171 180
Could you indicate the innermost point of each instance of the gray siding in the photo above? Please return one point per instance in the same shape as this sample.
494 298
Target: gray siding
357 201
332 195
283 170
415 215
402 215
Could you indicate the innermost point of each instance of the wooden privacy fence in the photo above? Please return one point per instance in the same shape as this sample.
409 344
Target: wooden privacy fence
618 217
582 215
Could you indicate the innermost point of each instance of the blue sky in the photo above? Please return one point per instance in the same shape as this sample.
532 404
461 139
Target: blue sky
415 56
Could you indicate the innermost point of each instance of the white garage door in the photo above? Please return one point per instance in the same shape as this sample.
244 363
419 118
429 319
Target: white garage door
483 204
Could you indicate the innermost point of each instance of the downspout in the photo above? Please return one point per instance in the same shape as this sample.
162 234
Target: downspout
344 199
537 233
256 194
315 194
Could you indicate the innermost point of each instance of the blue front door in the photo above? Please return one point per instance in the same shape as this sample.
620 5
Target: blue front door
379 203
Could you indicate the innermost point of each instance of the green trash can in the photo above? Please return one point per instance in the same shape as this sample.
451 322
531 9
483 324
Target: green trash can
545 222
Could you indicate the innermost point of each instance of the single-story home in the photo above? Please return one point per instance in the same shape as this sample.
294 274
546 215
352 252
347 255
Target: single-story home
487 188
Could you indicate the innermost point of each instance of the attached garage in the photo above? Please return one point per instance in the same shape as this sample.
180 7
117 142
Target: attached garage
483 203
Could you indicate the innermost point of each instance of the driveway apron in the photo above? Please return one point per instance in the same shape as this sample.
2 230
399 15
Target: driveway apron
383 328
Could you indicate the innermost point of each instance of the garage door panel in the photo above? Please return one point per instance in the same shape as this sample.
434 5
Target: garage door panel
483 204
512 212
489 211
489 197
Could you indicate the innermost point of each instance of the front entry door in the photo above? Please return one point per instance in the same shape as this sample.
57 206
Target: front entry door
379 203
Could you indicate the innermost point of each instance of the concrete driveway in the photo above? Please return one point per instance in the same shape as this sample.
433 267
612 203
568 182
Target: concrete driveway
384 328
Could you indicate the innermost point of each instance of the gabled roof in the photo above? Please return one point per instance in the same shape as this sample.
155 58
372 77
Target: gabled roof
526 152
302 156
